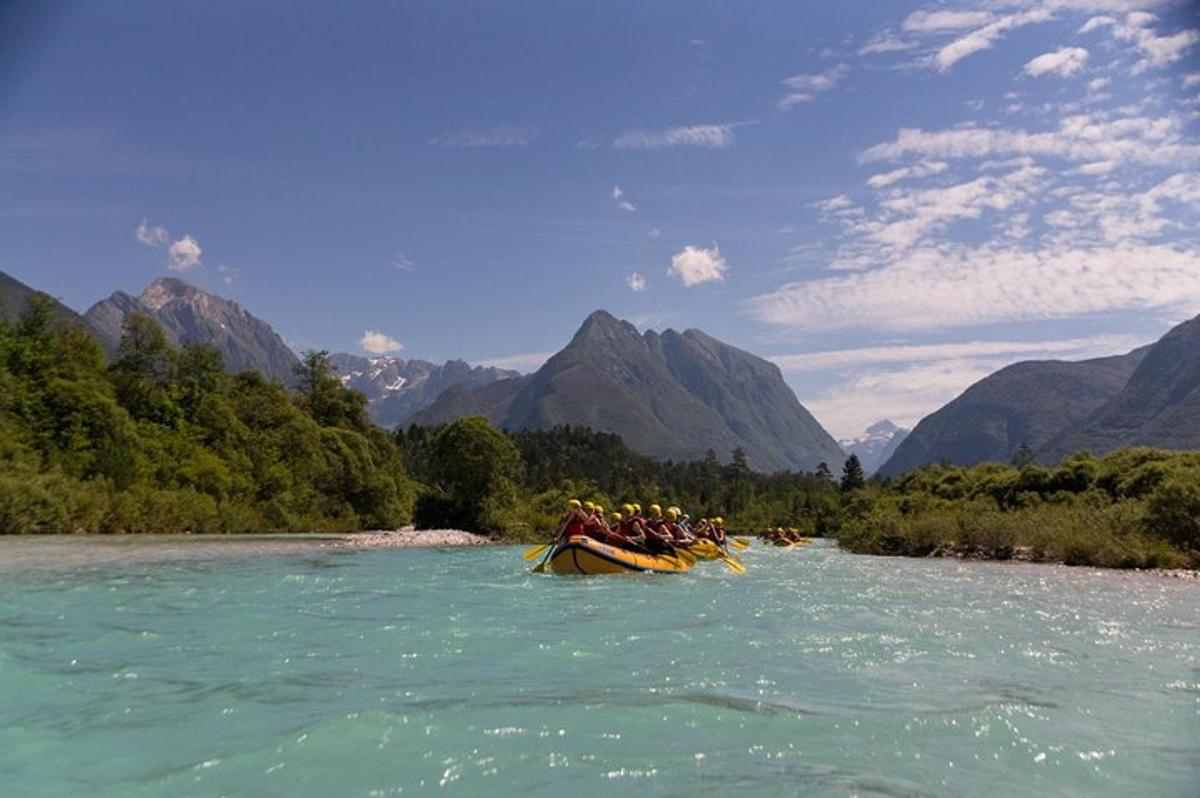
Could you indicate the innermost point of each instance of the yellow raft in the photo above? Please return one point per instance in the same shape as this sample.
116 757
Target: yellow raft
582 555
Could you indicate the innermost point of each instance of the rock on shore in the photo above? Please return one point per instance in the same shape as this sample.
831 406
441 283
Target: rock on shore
409 538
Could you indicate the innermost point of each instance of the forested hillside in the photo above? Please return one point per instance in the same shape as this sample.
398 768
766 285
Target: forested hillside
162 439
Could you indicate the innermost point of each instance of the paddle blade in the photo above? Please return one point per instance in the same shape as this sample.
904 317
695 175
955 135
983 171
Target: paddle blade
536 551
734 565
540 568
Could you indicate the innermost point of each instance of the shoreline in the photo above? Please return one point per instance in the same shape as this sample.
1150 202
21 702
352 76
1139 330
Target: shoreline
409 538
1023 555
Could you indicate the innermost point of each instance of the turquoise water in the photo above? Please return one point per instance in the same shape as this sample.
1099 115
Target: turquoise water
135 668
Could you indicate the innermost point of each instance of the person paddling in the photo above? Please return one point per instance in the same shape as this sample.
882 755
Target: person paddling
573 521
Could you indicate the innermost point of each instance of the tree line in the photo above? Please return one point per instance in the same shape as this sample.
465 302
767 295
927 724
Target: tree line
162 439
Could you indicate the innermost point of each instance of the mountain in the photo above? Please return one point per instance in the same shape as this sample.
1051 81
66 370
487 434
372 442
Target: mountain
1025 403
189 315
1159 406
876 446
396 389
670 395
14 298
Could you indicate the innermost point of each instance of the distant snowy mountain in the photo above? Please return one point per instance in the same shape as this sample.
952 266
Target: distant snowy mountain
396 388
874 448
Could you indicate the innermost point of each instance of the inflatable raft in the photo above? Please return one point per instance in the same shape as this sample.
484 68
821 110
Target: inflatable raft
582 555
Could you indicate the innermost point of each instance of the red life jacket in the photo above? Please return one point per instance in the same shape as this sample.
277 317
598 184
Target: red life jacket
577 524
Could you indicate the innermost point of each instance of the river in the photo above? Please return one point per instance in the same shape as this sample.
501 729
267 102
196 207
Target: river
157 667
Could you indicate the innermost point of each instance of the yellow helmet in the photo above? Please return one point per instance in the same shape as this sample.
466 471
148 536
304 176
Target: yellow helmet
672 513
637 508
655 510
600 509
719 521
574 504
616 516
589 506
627 509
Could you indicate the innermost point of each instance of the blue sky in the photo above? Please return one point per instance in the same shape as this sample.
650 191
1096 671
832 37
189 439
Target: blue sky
889 199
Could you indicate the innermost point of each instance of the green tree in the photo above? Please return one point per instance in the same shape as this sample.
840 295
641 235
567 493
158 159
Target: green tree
1173 511
143 369
853 477
473 467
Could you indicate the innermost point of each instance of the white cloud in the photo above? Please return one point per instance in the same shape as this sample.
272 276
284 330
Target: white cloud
623 204
403 263
1080 137
983 38
228 274
938 21
151 235
637 283
1191 79
184 254
695 265
906 383
1063 63
914 353
805 88
1135 27
947 286
710 136
1097 168
905 395
378 343
525 362
503 136
885 42
837 205
922 169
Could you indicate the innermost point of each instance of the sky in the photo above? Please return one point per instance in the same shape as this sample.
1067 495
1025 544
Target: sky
890 200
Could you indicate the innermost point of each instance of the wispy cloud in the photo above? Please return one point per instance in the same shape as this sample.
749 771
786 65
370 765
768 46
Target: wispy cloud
959 286
503 136
1136 27
707 136
637 283
525 362
696 265
1063 62
915 353
805 88
1080 137
403 263
151 235
378 343
985 37
623 203
886 41
943 20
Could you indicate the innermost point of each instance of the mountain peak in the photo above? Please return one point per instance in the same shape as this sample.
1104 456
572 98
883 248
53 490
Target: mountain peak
885 427
167 289
601 325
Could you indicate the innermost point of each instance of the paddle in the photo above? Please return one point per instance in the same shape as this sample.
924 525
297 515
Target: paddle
739 543
712 549
532 554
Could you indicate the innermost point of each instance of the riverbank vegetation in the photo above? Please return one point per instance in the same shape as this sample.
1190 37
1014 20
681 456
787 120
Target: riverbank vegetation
161 439
1134 508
